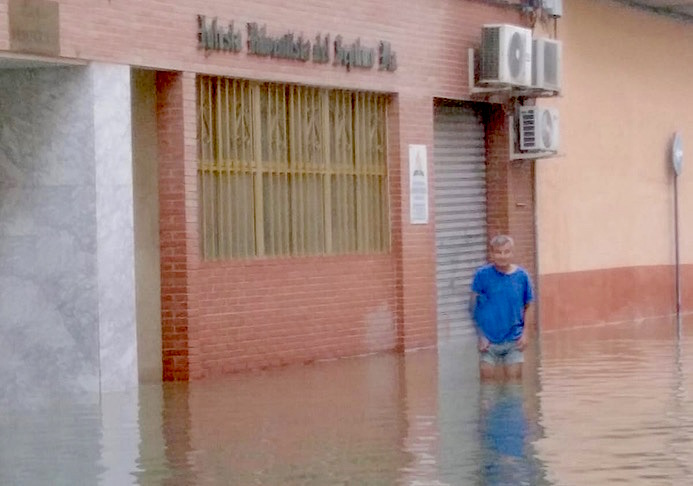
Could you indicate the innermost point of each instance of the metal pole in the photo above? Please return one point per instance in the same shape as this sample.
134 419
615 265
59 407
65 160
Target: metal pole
678 270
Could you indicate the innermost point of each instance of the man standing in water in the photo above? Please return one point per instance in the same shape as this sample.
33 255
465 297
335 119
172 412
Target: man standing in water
501 294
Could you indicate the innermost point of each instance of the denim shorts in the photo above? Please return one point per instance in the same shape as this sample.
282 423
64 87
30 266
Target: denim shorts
502 354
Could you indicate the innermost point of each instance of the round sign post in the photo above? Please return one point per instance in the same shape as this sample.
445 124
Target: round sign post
677 154
677 163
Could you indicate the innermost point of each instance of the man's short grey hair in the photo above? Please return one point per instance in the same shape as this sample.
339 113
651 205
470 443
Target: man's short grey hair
501 240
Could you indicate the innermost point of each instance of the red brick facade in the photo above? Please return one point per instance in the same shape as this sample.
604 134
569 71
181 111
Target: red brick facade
177 217
221 317
510 193
226 316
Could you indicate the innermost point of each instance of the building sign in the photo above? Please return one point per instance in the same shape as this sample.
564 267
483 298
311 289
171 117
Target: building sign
418 184
34 27
212 36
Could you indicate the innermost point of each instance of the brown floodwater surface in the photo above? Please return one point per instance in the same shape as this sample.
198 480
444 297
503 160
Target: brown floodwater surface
597 406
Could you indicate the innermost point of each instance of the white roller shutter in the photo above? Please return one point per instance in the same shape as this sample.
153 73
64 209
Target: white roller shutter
460 213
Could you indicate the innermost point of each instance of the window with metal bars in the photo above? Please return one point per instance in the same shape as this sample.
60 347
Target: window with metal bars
290 170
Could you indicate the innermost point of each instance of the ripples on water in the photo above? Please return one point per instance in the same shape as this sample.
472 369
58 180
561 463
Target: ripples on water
616 407
597 406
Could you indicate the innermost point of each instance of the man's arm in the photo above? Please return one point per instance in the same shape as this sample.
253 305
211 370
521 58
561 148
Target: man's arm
522 340
483 340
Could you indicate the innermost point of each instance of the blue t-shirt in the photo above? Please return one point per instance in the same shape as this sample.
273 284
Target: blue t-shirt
500 305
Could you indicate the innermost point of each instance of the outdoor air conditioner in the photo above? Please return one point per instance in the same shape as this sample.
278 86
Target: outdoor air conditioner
538 129
506 55
546 64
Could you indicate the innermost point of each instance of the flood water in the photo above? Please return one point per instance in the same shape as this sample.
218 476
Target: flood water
598 406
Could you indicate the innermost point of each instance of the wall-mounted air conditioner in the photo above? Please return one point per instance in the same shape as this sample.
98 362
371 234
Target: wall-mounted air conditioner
539 129
546 64
506 55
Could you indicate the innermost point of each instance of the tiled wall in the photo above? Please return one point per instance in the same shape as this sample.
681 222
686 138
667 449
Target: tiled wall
114 226
66 284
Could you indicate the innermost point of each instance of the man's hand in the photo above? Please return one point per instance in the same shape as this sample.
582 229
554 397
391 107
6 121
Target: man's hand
522 342
483 343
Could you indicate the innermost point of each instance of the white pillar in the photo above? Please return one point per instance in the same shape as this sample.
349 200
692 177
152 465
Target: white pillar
115 229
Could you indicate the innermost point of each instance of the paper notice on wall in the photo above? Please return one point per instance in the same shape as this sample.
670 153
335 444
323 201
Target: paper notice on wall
418 184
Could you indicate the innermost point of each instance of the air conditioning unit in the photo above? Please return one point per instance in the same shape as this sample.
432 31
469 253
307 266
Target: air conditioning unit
539 129
546 64
506 55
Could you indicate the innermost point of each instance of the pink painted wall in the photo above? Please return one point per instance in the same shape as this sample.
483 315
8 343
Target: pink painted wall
627 86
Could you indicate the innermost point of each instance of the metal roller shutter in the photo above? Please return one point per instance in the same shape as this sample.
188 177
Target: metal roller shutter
460 213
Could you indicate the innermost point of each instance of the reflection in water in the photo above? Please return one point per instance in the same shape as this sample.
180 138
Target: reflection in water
614 406
57 447
506 434
596 406
302 425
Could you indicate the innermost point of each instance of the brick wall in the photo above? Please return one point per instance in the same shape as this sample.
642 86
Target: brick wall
252 314
177 152
270 312
4 27
172 224
416 245
225 316
510 193
430 38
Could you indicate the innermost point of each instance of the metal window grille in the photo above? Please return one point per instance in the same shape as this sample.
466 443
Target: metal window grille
291 170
